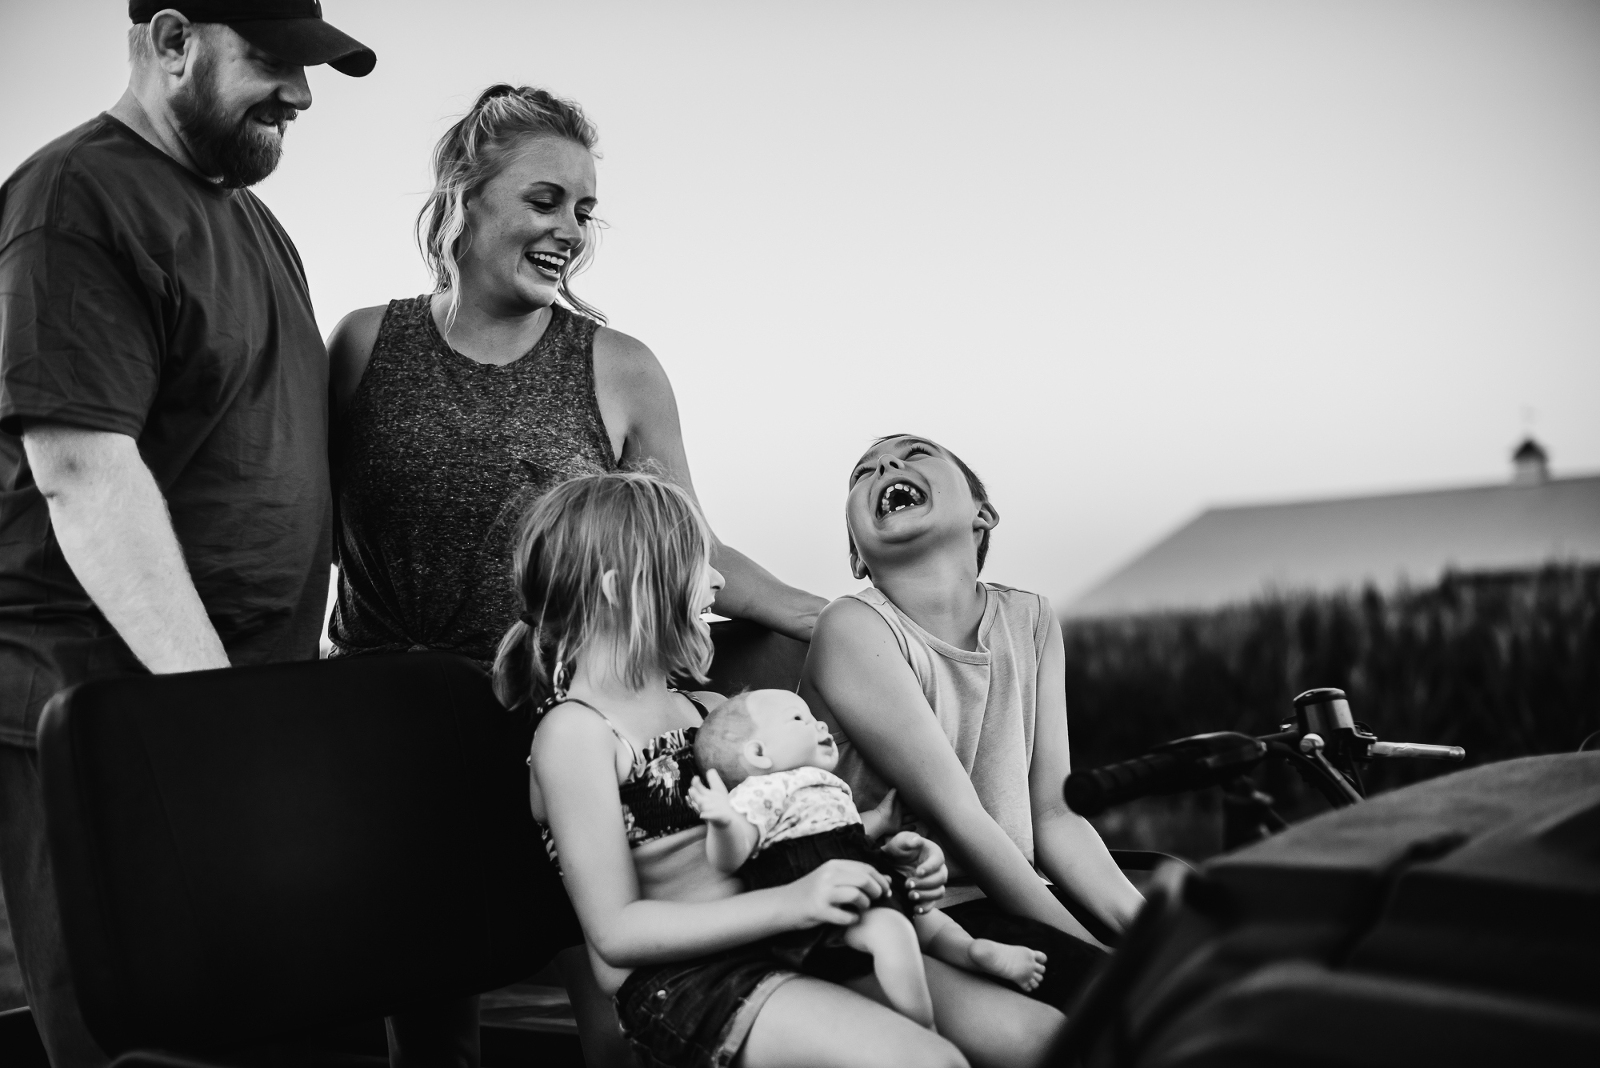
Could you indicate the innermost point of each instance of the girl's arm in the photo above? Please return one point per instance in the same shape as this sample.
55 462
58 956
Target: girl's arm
1065 844
574 765
641 414
858 670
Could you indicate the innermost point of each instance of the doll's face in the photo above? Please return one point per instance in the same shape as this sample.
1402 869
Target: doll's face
787 735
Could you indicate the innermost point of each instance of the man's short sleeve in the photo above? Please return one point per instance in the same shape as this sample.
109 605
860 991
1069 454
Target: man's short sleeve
76 340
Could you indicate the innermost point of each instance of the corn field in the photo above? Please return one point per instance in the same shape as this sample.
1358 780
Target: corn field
1505 665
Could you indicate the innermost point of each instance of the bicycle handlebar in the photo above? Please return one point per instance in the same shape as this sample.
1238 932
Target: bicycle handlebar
1209 759
1186 764
1417 751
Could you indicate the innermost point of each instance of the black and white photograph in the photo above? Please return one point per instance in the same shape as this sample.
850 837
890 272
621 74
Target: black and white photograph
813 534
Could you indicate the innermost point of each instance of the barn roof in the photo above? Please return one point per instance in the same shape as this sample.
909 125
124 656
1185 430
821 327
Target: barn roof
1233 554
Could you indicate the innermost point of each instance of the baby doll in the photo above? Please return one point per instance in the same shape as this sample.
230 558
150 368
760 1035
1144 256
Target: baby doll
787 814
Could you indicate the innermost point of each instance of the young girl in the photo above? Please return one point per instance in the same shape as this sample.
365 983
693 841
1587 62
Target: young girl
952 690
613 573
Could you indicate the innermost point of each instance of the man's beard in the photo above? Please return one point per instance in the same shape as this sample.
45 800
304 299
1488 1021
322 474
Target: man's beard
240 153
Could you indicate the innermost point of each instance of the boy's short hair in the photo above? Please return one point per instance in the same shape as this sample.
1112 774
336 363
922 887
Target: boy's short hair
980 495
722 736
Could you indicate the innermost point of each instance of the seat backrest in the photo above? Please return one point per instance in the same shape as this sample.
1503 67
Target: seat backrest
751 657
247 854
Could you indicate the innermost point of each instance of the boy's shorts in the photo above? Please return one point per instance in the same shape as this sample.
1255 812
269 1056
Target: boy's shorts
697 1013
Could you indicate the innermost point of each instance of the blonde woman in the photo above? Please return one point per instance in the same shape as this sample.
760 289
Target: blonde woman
455 409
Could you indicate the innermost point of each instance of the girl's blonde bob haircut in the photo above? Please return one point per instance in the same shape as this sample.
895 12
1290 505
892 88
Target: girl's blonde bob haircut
471 153
621 556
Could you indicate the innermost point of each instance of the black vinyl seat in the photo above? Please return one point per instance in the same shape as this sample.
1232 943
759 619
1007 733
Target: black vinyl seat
247 855
751 657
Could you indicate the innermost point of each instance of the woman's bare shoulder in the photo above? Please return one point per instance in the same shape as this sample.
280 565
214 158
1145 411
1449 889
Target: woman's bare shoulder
350 348
622 358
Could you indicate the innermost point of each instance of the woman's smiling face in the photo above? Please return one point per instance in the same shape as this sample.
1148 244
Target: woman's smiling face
526 224
904 489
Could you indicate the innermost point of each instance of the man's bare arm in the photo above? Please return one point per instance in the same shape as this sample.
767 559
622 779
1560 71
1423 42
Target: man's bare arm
114 530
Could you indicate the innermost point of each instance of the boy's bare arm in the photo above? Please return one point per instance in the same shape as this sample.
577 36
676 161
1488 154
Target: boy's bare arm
730 838
1066 845
855 666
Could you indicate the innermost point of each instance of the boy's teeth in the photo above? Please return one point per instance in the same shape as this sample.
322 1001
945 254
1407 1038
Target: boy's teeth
909 496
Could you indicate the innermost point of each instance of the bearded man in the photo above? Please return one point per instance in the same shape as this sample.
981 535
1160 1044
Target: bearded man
164 499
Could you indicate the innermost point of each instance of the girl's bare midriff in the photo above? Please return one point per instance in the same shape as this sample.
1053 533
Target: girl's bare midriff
673 868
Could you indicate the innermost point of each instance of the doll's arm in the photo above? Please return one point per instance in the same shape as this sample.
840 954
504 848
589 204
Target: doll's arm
730 838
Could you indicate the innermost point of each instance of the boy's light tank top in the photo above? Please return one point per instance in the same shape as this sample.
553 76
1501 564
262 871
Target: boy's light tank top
984 699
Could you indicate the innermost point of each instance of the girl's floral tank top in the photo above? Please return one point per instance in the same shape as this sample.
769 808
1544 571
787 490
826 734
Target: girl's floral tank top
655 795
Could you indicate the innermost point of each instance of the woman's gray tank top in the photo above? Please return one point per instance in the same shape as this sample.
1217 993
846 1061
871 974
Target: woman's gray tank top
434 460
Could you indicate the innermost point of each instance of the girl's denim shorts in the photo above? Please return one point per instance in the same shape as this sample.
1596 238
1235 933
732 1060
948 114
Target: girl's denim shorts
697 1013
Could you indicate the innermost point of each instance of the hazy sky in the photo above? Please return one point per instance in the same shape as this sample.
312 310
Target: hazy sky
1127 258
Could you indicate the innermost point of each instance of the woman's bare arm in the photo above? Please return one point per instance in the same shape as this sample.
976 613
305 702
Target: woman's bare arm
349 351
1065 844
573 763
857 668
641 414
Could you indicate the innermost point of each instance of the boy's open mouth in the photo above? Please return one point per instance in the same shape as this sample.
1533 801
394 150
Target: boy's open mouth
898 496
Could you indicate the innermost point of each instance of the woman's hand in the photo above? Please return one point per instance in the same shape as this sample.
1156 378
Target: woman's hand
922 862
837 892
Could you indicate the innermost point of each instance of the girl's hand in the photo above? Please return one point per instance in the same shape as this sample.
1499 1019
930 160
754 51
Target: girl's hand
837 892
922 861
710 798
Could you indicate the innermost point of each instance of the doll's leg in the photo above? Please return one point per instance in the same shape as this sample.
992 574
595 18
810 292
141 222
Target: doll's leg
891 941
946 940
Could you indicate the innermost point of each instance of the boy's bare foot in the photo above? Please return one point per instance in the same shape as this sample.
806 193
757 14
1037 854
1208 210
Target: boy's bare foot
1015 964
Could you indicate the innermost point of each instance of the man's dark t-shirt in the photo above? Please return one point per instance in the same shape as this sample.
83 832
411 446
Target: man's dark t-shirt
138 298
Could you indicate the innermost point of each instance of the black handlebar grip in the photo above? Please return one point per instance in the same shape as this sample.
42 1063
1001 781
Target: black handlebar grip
1092 791
1186 764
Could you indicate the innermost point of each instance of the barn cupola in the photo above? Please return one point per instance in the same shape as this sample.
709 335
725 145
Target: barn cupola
1530 464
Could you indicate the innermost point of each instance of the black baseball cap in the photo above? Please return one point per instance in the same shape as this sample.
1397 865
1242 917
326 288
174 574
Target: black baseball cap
292 30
